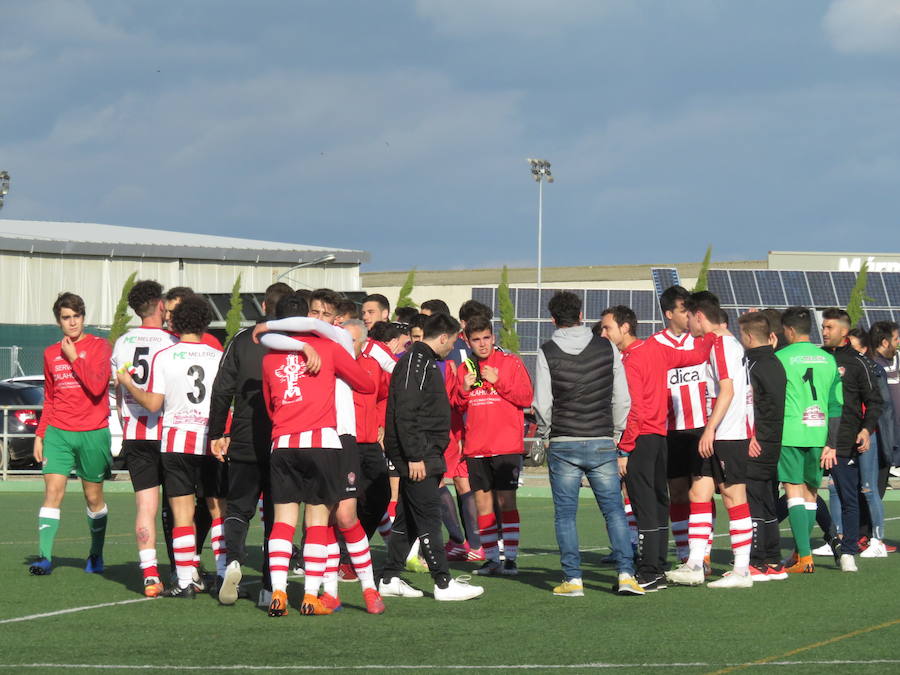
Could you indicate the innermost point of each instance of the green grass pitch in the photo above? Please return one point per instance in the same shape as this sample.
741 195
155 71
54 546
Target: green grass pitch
517 623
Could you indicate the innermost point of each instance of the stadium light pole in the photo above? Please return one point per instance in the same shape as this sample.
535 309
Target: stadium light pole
540 171
4 186
318 261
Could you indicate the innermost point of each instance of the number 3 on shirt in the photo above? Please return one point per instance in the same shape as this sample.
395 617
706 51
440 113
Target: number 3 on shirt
198 374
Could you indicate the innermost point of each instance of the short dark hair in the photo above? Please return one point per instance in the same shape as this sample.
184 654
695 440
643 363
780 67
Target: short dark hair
404 314
774 317
597 329
274 293
192 316
440 324
380 299
798 319
881 331
478 323
326 296
565 308
669 298
384 331
622 315
418 321
472 308
179 293
756 324
67 300
144 297
346 307
706 302
436 306
837 314
862 336
293 304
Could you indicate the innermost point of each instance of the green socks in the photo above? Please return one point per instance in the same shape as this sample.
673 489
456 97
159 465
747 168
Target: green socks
799 520
48 525
97 525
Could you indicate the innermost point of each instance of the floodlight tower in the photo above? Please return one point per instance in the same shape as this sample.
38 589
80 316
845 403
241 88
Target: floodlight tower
540 171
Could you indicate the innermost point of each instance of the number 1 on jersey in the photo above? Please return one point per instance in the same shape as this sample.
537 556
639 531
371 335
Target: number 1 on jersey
808 378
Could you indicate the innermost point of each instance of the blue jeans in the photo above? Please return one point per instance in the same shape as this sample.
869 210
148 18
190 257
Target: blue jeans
868 479
569 462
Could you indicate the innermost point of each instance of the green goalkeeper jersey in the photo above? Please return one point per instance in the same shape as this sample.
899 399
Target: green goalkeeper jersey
813 394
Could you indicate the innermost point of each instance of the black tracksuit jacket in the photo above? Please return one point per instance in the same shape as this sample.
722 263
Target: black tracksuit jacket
862 400
768 379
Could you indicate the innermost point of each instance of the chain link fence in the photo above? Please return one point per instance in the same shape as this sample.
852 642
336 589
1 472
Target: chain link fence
17 361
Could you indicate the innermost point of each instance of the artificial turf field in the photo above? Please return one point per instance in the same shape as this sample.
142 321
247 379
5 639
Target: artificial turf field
808 624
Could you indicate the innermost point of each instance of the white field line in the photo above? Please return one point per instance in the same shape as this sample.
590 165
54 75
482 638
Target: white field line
72 610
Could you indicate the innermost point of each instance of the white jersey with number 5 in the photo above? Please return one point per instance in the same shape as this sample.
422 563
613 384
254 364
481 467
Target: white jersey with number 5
139 346
184 374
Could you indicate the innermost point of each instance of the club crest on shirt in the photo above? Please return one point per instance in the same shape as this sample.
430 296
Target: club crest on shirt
841 371
290 373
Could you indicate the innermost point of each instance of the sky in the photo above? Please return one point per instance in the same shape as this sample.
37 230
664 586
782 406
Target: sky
402 127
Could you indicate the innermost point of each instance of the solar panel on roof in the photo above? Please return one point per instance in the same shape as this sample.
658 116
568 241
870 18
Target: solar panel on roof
814 335
718 283
545 332
527 332
644 305
595 302
530 363
843 285
771 293
795 288
874 315
620 298
546 294
527 303
875 290
821 289
646 328
485 296
744 285
663 278
892 285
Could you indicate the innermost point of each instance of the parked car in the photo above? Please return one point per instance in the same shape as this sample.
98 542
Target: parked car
24 421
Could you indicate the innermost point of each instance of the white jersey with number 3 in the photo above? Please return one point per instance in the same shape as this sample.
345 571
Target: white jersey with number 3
139 346
184 374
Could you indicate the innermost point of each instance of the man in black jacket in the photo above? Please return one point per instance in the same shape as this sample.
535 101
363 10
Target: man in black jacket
768 379
859 417
417 430
247 446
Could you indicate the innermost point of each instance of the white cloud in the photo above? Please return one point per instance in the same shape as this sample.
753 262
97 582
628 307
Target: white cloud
863 26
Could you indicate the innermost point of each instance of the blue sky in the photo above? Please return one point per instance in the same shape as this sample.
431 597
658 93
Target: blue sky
402 127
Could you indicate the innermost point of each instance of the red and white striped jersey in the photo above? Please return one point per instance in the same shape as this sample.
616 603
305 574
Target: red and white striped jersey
687 386
727 361
139 346
184 374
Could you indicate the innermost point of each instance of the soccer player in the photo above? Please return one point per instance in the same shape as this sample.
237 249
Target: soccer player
642 448
405 314
74 430
862 406
769 382
141 429
723 451
430 307
176 295
494 390
346 310
180 379
375 307
416 433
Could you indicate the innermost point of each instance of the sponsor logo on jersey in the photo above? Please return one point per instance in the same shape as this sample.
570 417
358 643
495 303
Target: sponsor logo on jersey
809 358
683 376
814 417
290 373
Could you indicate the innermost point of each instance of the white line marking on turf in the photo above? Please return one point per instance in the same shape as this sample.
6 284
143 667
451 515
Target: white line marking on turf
72 610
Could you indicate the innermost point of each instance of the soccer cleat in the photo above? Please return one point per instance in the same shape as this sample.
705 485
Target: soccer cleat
397 588
628 585
331 602
775 572
732 580
347 573
759 573
456 552
312 606
890 548
848 563
476 555
279 604
296 563
510 568
264 599
458 589
707 566
197 581
228 589
652 584
40 567
791 560
374 603
863 543
570 589
876 549
803 565
416 565
685 575
186 593
489 569
153 587
823 550
94 564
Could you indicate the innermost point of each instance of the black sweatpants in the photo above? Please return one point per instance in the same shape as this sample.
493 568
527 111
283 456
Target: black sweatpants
374 491
418 516
761 497
246 480
649 494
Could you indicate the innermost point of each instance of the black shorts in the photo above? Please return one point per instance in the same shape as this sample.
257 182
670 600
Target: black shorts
682 450
350 466
728 463
142 459
500 472
214 478
307 475
182 474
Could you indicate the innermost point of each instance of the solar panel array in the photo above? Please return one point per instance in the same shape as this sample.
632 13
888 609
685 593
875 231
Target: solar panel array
663 278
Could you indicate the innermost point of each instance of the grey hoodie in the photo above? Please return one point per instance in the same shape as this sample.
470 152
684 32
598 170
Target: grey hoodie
573 340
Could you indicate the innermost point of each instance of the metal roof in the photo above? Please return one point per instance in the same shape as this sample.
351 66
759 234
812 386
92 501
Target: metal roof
41 236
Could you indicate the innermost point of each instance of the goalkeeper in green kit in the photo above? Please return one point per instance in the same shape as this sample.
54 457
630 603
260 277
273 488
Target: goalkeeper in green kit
812 414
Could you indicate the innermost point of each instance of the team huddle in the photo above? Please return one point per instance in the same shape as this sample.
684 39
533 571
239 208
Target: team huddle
364 422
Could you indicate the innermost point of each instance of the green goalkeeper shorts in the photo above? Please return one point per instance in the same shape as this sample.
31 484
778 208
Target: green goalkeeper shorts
800 466
85 451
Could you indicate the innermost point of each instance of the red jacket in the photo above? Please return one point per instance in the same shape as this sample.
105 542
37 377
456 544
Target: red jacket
494 418
368 417
646 366
451 382
76 395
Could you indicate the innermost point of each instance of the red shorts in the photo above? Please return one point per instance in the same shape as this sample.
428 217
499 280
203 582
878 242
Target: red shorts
456 463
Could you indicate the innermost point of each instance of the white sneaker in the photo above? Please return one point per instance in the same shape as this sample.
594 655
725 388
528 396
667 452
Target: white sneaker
895 471
732 580
685 575
876 549
848 563
228 591
265 598
823 550
397 588
458 589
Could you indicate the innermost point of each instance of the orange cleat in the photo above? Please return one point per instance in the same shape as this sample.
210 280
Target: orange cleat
374 603
153 587
331 602
313 606
804 565
279 605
